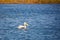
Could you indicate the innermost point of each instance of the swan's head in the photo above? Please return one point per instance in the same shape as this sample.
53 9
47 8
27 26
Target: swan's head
25 24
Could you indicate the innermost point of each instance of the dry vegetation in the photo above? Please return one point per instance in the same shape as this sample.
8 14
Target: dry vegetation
30 1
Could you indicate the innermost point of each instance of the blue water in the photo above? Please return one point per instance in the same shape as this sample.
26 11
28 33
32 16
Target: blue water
43 20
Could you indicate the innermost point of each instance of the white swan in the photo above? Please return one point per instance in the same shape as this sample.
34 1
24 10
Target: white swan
23 26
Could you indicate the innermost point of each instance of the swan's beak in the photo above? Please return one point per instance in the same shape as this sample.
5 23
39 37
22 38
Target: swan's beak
27 24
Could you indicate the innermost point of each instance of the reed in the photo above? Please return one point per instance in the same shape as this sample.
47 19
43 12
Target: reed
29 1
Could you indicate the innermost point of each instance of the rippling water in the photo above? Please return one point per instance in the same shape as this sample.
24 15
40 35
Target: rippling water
43 20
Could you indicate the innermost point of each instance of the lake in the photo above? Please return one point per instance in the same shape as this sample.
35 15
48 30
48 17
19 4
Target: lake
43 20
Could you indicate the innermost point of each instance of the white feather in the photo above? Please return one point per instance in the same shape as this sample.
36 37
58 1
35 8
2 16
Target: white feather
23 26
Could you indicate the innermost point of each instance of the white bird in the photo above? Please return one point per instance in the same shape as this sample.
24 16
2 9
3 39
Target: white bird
23 26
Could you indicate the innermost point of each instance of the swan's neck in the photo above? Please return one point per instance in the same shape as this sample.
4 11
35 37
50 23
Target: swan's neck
25 25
